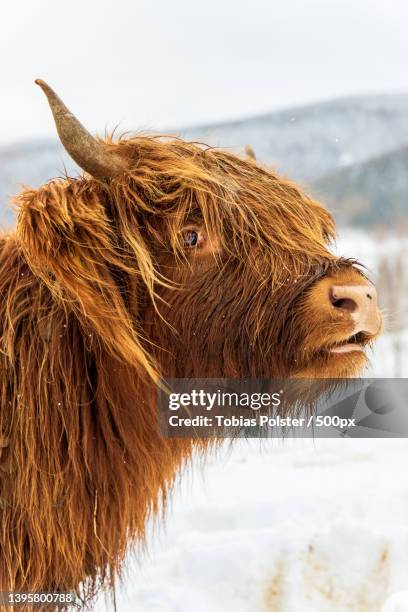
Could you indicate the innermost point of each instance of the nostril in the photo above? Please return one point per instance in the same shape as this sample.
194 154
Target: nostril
342 303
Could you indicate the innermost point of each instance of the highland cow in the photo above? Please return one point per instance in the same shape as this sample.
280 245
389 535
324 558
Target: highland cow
164 259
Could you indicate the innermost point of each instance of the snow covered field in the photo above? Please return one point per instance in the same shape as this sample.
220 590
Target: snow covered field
299 526
286 528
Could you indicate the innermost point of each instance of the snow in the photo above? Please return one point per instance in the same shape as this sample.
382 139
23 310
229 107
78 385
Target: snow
398 602
294 526
286 527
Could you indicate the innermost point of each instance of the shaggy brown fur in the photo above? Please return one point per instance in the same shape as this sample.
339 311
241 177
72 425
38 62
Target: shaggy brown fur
99 297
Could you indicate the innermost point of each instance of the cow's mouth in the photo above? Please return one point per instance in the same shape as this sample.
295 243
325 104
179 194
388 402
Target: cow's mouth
355 343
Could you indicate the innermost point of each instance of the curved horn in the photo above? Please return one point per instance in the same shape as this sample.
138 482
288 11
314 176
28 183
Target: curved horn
84 149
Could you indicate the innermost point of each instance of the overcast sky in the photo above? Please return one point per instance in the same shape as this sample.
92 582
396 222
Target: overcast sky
162 63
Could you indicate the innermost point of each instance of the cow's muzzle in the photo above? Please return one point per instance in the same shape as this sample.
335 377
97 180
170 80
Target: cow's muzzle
360 302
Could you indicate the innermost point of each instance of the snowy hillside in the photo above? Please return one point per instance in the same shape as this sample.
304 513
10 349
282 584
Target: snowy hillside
30 164
310 141
370 192
299 526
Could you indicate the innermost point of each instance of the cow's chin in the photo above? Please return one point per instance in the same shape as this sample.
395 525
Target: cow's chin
344 364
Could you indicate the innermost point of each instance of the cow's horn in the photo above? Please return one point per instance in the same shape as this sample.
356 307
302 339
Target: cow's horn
91 155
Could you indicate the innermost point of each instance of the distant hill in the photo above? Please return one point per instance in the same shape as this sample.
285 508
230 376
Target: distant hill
307 143
310 141
29 163
372 192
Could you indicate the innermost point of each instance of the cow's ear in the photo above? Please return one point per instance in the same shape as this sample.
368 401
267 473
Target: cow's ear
250 153
69 243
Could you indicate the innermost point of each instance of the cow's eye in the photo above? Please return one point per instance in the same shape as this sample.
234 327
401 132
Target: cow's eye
193 238
190 238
